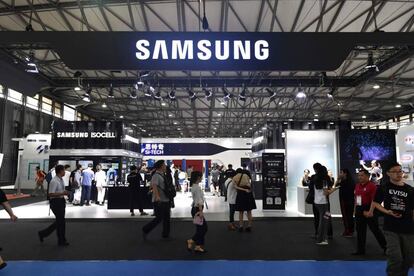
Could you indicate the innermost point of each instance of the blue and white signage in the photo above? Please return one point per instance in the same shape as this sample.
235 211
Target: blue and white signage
183 149
152 149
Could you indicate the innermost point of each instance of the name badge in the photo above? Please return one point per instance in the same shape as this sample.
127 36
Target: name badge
358 200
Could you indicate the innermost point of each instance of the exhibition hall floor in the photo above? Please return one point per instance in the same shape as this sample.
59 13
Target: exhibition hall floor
278 246
204 268
217 210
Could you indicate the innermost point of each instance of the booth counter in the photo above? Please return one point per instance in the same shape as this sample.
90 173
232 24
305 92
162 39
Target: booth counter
306 209
119 198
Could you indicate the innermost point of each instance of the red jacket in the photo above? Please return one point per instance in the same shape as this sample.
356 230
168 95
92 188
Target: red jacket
367 192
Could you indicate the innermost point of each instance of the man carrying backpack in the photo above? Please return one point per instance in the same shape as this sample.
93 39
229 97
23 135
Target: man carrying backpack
161 200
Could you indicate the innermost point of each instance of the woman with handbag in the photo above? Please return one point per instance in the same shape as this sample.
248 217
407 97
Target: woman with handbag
196 243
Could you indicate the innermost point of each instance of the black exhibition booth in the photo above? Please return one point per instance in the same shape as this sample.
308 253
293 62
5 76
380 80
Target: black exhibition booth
105 143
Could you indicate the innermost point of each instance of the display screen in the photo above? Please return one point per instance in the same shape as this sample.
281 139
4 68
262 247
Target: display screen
359 148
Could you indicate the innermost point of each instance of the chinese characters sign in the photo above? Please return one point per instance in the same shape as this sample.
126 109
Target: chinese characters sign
152 149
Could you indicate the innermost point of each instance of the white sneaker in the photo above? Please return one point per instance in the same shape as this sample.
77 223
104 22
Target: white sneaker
322 243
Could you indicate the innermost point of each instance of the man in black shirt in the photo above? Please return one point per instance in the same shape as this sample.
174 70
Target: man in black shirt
135 194
398 199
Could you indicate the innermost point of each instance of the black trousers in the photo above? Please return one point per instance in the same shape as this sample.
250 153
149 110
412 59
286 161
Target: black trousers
162 213
135 195
58 206
361 226
347 210
316 221
201 230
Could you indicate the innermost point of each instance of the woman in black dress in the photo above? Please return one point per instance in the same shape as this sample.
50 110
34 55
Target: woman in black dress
7 207
244 200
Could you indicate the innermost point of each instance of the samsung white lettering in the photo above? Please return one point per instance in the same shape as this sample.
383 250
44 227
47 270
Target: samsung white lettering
202 49
107 135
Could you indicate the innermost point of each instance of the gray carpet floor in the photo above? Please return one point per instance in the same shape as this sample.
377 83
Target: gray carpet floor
271 239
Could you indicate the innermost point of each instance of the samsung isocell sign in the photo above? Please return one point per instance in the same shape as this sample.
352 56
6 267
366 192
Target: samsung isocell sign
202 50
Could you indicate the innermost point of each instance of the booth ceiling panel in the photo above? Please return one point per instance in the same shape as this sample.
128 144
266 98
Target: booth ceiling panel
390 11
165 11
286 12
11 23
95 19
349 10
244 14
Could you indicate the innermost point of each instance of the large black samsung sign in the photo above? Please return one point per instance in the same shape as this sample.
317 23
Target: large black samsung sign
86 135
204 50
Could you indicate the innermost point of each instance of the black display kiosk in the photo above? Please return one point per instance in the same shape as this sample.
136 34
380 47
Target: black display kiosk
102 143
273 178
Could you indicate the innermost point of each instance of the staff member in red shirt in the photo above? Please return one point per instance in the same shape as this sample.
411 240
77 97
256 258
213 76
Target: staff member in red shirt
364 195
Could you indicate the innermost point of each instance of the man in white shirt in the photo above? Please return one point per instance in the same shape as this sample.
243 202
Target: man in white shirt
56 195
100 180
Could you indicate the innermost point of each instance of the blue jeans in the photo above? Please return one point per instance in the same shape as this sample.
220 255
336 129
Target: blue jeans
86 194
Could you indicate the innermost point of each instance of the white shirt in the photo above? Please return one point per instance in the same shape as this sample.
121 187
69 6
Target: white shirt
66 178
197 194
320 198
100 178
231 191
56 185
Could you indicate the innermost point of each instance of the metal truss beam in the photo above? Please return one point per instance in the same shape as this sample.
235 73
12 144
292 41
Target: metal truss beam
214 82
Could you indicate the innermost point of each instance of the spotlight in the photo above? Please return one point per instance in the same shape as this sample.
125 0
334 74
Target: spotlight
77 74
139 84
77 88
208 93
301 94
31 66
364 117
111 92
104 105
205 22
157 95
397 105
150 91
242 96
87 95
171 95
227 94
133 94
370 63
191 94
376 86
144 74
121 116
29 28
272 93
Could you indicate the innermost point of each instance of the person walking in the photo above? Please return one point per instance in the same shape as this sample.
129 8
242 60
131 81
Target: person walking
57 195
244 199
398 199
162 204
40 178
135 194
6 205
346 198
364 195
100 180
87 176
196 243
